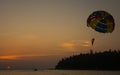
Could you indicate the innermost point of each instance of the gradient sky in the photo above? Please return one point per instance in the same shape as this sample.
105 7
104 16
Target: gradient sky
38 33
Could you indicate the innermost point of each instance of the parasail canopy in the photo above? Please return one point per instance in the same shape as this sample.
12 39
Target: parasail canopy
101 21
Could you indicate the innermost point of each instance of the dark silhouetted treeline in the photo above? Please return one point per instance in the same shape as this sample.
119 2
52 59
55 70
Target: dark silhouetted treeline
107 60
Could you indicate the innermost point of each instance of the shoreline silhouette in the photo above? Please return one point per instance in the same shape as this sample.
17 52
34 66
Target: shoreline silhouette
107 60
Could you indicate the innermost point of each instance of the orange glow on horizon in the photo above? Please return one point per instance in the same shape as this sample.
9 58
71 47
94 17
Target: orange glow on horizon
8 57
14 57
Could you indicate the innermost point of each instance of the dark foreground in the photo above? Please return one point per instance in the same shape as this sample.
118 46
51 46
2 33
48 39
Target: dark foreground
107 60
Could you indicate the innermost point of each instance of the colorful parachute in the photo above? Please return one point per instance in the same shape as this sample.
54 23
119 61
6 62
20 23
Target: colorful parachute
101 21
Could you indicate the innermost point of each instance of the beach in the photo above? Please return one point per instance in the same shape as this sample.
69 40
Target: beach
57 72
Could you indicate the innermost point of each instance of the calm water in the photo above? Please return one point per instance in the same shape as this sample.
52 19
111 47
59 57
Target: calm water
57 72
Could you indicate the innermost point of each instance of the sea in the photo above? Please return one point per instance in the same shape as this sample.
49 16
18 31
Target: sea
58 72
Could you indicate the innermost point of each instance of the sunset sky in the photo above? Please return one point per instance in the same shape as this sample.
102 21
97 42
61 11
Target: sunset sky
38 33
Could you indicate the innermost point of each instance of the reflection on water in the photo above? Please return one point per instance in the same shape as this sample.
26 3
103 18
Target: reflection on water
57 72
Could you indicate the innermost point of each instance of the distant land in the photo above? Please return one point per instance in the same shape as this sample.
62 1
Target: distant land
107 60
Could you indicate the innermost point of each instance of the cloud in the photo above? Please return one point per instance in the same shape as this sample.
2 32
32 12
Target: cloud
11 57
85 43
17 57
75 44
68 45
